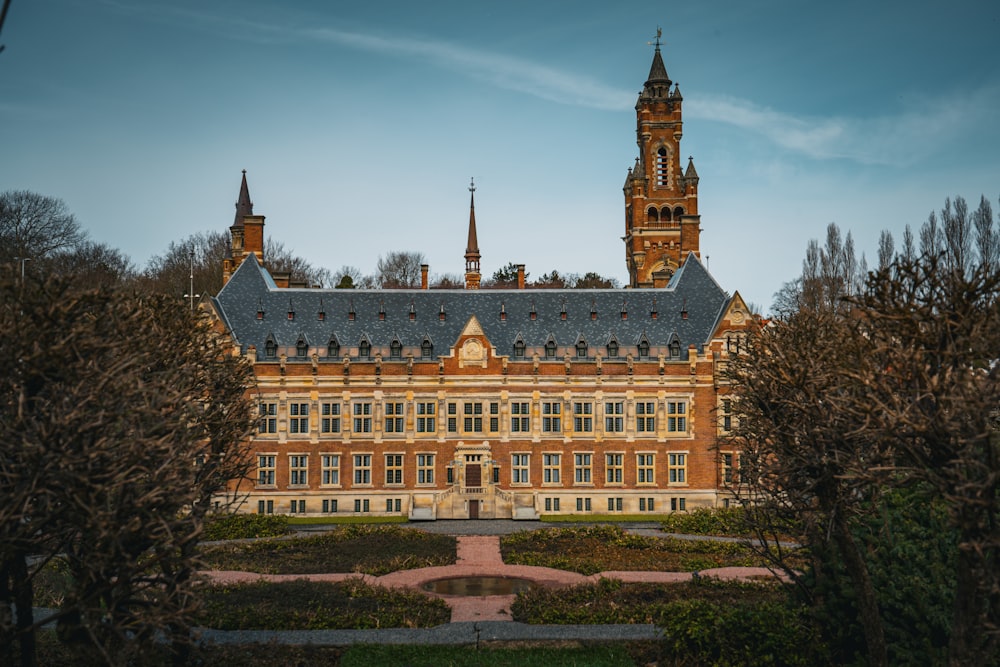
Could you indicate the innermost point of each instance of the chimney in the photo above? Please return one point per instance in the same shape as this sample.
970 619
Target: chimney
520 276
423 275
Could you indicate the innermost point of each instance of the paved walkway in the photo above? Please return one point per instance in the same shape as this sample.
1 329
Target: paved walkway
478 555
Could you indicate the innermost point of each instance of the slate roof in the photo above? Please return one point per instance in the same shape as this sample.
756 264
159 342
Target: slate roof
692 289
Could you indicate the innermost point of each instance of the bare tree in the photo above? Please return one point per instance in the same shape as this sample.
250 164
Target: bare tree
399 270
987 236
886 249
200 255
124 417
801 448
33 225
279 259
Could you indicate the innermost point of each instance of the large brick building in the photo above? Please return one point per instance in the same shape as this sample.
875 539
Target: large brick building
504 403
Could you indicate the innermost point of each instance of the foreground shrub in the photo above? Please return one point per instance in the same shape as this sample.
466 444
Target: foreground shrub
602 548
368 549
244 526
311 605
728 521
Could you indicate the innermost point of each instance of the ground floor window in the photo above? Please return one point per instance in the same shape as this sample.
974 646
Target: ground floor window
265 507
678 504
298 507
646 505
393 502
583 505
551 504
615 504
330 506
361 505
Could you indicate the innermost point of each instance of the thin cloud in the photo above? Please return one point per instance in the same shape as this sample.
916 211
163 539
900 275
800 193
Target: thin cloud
898 140
508 72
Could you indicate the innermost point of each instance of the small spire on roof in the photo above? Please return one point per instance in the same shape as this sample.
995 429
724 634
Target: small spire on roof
244 206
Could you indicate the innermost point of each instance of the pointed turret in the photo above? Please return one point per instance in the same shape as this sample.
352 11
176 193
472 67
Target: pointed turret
472 275
658 83
691 174
244 206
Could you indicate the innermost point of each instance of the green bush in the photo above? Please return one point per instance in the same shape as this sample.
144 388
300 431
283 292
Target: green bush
244 526
727 521
312 605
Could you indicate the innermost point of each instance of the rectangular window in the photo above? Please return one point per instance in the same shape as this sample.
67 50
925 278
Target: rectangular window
330 469
268 418
472 417
551 421
676 416
551 504
520 417
425 468
727 415
726 460
677 468
494 417
614 504
646 505
363 417
614 412
330 506
361 505
583 417
452 418
645 417
425 417
582 464
394 417
298 470
678 504
298 418
265 469
363 469
393 469
393 502
583 505
645 468
265 507
614 467
519 466
550 468
298 507
330 422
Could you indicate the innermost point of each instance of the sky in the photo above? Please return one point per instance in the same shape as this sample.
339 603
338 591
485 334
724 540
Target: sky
360 124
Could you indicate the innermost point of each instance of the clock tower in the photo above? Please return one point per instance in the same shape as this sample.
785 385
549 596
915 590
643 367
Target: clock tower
662 225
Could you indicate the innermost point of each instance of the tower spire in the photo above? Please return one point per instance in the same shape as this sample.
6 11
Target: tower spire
244 206
472 275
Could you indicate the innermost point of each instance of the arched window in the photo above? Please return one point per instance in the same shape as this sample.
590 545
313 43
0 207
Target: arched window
550 349
662 166
270 348
652 215
519 349
643 349
675 349
427 349
301 348
581 348
364 350
333 348
395 349
612 349
665 214
678 212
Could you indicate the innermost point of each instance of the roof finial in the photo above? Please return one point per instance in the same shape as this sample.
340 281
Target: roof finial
472 185
659 34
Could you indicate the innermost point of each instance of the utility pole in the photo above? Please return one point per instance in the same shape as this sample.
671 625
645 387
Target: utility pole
191 295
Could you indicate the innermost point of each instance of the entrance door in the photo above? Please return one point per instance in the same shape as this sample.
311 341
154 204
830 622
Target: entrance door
473 509
473 475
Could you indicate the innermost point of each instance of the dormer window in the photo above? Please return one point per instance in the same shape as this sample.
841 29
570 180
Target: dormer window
550 349
675 349
270 348
581 348
612 349
426 349
643 349
301 348
365 350
519 349
395 349
333 348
